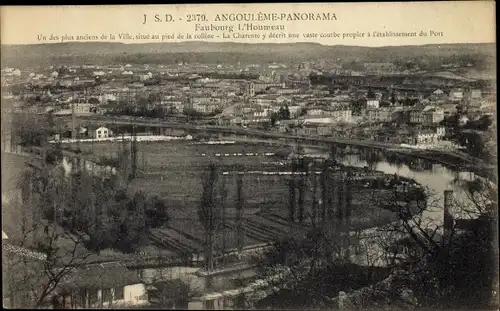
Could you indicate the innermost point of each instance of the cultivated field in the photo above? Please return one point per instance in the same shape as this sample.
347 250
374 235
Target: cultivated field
180 155
173 171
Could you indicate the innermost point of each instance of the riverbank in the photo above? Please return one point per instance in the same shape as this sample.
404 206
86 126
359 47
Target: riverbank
139 138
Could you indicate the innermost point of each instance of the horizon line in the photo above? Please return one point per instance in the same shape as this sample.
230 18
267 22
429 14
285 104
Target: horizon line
242 43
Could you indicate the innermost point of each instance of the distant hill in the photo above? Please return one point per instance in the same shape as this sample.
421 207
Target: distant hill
207 47
56 52
183 47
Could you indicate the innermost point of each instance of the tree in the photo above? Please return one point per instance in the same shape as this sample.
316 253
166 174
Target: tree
482 124
96 209
50 120
266 126
153 98
158 112
209 213
30 129
473 141
302 268
54 155
33 280
284 113
156 212
393 98
461 110
432 259
305 271
274 119
357 106
172 294
384 104
370 94
239 214
193 114
94 101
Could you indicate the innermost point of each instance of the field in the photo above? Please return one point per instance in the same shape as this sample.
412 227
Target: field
181 155
173 171
260 226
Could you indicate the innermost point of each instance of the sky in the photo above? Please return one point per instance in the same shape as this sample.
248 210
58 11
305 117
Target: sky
450 22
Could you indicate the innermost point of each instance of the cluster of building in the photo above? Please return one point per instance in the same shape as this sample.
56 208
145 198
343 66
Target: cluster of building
303 99
426 116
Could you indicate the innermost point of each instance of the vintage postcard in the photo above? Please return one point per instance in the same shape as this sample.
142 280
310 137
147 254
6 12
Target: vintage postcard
250 156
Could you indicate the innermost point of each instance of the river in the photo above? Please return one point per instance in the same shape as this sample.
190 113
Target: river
436 178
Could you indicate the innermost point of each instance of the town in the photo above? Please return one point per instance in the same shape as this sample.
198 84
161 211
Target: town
248 180
421 110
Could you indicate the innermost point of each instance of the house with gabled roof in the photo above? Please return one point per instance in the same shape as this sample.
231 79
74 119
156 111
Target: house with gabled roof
438 92
102 285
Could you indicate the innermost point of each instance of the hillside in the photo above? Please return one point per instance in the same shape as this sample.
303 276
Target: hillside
207 47
158 52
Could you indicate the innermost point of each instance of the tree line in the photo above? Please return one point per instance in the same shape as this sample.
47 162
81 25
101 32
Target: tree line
98 210
453 270
149 108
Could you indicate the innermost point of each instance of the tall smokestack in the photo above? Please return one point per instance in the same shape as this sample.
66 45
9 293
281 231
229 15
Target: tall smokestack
447 217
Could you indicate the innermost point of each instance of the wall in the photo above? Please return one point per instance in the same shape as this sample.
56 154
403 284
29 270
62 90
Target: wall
135 294
320 120
195 282
372 103
185 274
173 132
169 273
72 163
195 305
221 280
